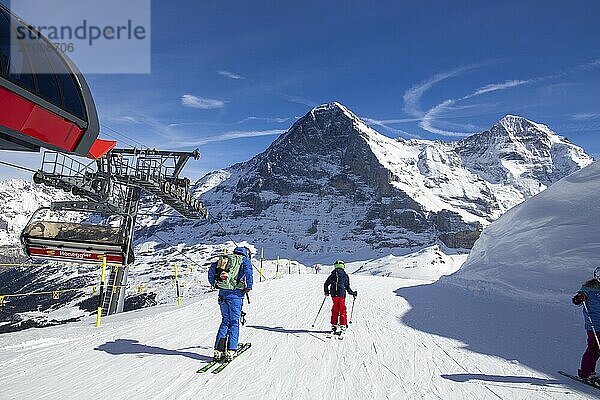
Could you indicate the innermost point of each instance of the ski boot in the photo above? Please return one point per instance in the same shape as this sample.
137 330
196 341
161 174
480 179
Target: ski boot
593 379
230 354
218 355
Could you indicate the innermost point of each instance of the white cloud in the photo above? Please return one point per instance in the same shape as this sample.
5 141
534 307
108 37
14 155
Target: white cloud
188 100
494 87
586 116
226 136
299 100
431 116
127 119
229 74
390 121
384 124
412 97
265 119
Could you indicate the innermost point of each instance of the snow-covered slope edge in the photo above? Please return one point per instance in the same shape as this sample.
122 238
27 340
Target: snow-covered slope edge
543 248
511 297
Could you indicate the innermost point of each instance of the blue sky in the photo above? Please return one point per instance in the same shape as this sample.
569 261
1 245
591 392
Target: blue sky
227 77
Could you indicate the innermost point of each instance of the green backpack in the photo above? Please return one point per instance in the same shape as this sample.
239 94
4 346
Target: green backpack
228 269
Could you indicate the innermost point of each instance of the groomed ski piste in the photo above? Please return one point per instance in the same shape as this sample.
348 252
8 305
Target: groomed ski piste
499 328
154 353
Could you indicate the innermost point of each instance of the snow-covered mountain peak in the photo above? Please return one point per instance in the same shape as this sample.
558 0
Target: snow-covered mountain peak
514 123
333 107
337 111
520 127
522 151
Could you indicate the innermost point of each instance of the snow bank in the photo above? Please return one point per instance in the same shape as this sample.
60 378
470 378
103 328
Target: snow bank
543 248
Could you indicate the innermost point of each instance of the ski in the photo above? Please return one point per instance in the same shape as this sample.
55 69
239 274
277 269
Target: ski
338 334
331 334
241 348
207 367
578 379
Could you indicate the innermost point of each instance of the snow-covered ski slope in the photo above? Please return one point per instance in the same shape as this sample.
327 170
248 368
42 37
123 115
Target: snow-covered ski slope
389 352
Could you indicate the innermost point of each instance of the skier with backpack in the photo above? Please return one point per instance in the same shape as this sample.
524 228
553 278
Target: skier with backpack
589 296
336 285
232 275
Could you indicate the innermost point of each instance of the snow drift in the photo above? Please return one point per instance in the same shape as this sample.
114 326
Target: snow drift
543 248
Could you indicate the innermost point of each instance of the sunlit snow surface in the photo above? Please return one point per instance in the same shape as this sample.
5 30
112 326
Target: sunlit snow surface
154 353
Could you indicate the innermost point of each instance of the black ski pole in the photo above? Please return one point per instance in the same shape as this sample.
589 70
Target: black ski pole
320 308
352 311
591 323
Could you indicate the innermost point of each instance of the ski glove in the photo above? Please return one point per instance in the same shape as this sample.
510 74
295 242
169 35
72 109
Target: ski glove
354 294
326 293
579 298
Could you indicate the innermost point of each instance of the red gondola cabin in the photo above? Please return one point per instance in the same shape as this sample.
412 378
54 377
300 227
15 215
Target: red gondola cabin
44 99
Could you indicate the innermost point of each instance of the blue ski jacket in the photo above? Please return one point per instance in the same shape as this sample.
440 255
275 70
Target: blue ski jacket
592 289
245 275
338 283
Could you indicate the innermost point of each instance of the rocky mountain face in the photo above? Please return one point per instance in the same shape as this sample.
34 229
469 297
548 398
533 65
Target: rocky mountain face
333 185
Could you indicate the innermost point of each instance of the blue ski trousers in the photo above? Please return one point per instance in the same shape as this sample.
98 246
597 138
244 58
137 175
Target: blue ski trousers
231 311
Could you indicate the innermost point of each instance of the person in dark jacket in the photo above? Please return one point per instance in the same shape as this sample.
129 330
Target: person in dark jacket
337 284
230 303
589 295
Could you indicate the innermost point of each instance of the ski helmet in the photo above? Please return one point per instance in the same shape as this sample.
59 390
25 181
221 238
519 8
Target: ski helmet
339 264
597 274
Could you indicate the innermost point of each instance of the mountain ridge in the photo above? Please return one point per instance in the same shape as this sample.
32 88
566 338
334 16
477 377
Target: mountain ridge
448 188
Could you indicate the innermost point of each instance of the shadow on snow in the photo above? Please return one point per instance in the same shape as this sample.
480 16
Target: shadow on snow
500 378
545 337
128 346
280 329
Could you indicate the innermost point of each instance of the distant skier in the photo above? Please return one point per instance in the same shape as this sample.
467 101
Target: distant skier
337 284
232 274
589 295
317 268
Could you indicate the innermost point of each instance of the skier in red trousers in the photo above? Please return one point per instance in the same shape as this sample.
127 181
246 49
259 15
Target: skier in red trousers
337 284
